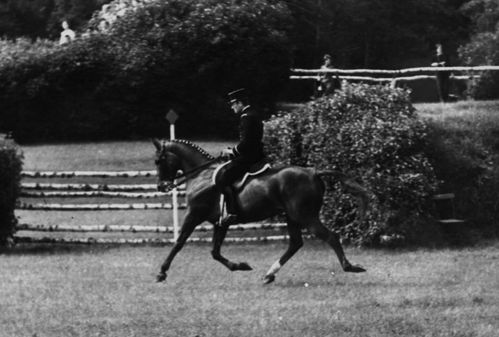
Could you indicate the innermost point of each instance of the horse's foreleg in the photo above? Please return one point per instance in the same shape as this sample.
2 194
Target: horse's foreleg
219 233
295 243
190 222
320 231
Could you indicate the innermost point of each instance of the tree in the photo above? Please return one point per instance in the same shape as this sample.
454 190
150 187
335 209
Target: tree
483 46
374 33
191 53
24 17
180 54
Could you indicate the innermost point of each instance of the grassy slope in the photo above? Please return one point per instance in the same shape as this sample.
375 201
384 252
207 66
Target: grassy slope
466 157
98 291
463 114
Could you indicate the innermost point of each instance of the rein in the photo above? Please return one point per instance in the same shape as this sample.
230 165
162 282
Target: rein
185 175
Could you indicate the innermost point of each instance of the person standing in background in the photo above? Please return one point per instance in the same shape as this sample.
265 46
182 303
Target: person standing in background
441 60
67 35
327 82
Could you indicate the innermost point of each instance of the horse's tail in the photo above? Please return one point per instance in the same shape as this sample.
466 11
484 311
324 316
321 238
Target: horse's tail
351 187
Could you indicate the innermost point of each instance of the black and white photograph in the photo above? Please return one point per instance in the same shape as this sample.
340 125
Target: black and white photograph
249 168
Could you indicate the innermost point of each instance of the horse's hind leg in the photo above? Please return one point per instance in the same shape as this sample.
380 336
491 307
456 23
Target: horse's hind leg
320 231
295 243
219 232
190 222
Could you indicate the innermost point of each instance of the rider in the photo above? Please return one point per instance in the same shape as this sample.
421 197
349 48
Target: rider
246 153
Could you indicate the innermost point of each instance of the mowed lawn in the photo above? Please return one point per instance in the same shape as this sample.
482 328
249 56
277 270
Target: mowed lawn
100 156
98 290
110 291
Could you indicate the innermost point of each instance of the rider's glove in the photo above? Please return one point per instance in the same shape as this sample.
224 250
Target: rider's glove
227 153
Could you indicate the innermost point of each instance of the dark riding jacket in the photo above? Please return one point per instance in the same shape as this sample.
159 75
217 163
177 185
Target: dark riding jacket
250 146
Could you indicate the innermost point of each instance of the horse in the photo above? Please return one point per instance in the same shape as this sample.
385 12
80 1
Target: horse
295 191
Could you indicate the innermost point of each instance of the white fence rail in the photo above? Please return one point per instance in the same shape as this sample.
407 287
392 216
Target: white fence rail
95 174
142 228
82 194
35 190
95 207
88 187
91 240
396 75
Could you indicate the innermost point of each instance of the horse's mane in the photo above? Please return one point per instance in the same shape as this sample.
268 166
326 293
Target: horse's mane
194 146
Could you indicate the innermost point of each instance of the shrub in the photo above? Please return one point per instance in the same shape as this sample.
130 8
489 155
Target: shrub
373 134
57 93
482 47
10 177
184 55
483 50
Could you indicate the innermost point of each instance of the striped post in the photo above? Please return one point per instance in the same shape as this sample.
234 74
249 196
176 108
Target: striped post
172 117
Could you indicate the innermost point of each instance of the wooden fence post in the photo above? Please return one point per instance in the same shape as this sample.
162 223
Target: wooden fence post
172 117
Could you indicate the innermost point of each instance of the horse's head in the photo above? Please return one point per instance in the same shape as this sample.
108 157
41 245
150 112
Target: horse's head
167 165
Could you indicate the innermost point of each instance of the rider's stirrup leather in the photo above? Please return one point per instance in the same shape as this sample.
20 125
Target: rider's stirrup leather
225 218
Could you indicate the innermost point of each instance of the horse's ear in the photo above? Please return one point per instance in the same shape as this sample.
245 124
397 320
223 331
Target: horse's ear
157 144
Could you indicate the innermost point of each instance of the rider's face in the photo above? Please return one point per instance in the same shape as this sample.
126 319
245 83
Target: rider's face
236 106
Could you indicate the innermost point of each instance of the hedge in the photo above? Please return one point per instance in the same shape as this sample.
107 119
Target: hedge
182 55
10 179
373 134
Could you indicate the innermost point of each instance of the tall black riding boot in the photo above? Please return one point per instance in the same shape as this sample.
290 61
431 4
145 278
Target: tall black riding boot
230 206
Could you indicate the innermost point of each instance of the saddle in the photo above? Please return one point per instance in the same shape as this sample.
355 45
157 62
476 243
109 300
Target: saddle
255 170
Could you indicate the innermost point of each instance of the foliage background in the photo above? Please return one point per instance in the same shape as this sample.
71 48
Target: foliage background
300 32
463 148
371 133
187 54
483 46
10 178
402 31
182 55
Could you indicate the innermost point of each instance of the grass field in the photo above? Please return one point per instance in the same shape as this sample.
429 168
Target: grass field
100 290
474 111
110 291
137 155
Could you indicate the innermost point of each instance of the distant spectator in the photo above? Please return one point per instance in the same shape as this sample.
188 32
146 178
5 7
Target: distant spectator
441 60
327 82
67 35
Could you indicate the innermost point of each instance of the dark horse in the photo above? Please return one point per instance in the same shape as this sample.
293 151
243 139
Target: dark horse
295 191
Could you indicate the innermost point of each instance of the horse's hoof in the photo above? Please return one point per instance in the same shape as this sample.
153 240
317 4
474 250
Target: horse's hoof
268 279
354 269
244 266
161 277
